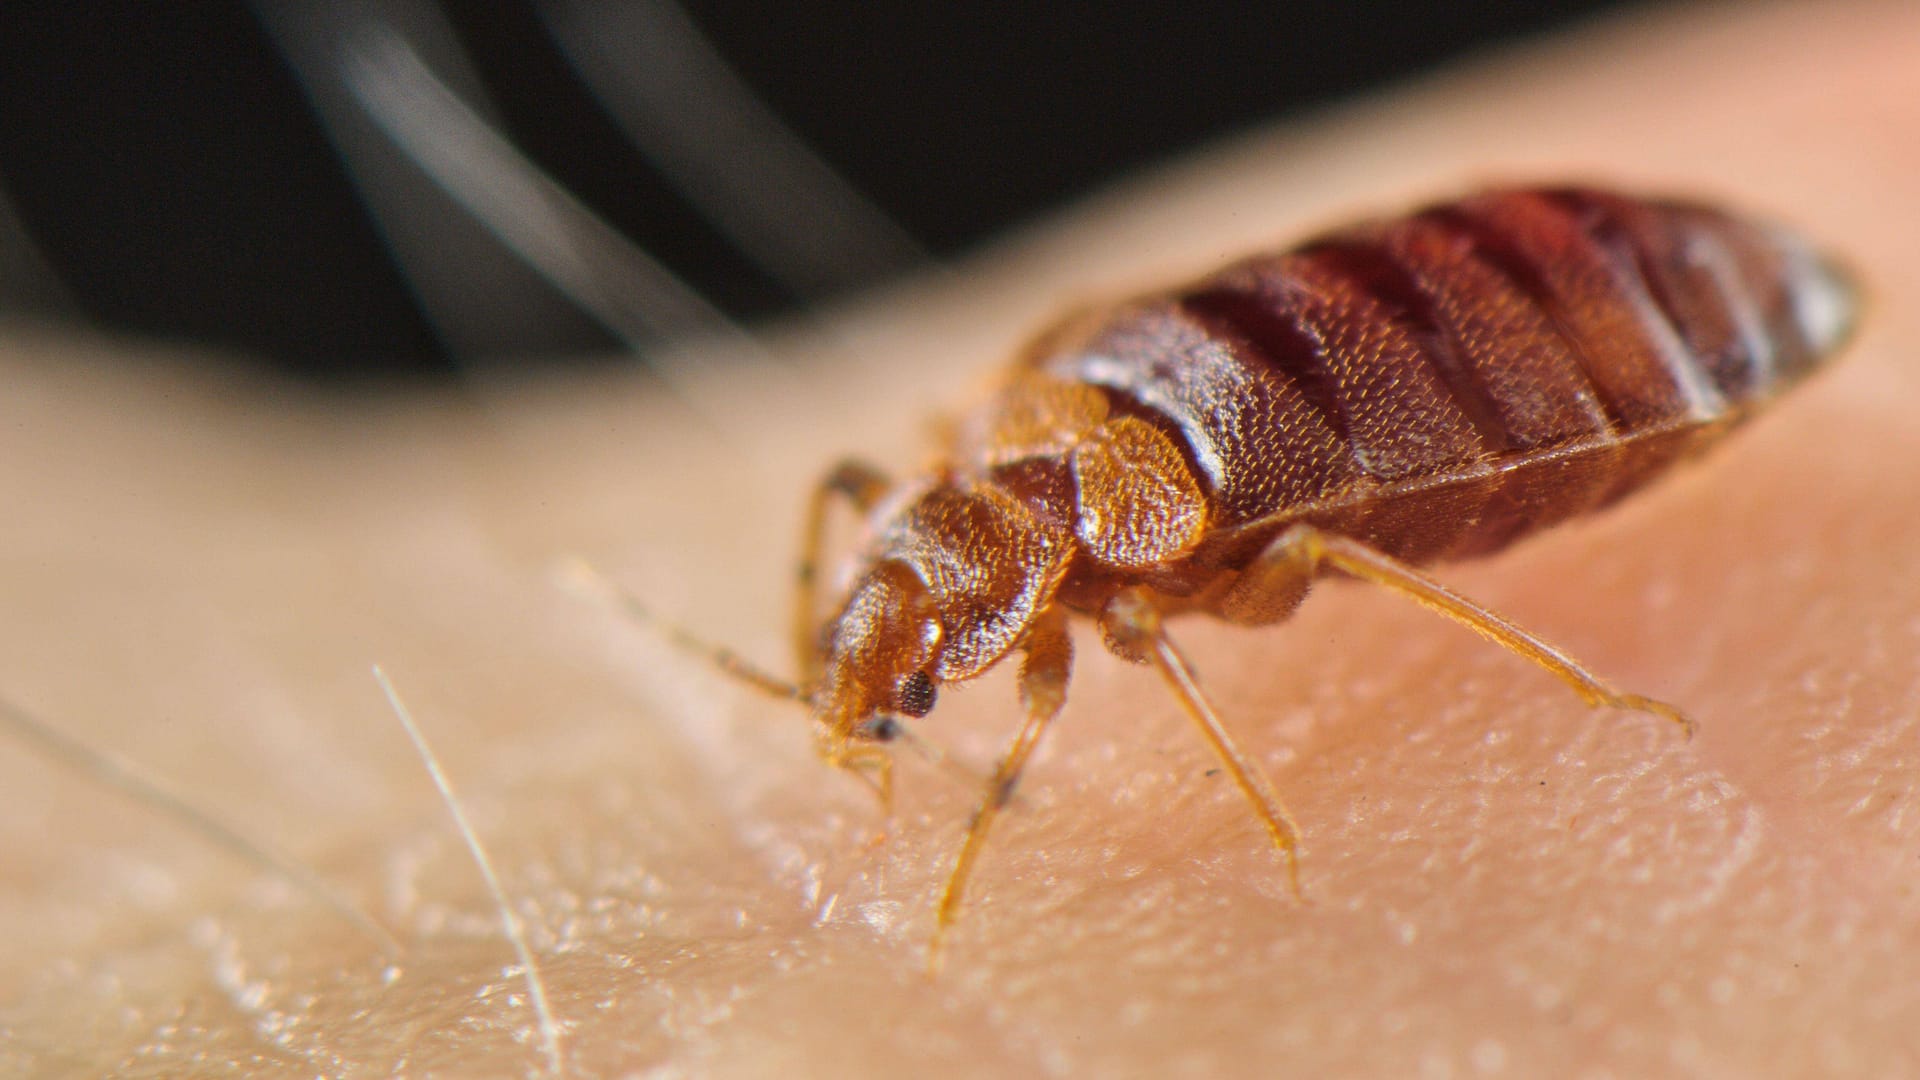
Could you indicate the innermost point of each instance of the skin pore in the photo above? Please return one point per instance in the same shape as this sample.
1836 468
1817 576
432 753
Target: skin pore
200 567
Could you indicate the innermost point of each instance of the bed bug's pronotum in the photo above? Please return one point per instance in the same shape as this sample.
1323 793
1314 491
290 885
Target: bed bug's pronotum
1428 387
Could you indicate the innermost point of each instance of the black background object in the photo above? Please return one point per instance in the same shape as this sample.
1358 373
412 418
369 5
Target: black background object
166 164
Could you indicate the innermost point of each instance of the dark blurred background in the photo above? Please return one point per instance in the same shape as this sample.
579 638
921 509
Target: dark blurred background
274 178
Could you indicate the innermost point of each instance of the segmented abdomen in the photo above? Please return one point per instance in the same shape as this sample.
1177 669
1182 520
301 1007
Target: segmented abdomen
1443 383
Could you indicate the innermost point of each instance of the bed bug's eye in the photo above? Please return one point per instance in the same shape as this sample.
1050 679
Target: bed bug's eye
915 695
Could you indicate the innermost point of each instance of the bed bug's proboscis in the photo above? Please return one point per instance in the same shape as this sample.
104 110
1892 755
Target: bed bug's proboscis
1388 395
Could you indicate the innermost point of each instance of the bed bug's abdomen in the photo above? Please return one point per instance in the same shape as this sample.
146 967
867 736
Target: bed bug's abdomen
1441 384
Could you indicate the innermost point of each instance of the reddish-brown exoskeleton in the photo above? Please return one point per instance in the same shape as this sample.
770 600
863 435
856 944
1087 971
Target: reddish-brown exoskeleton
1428 387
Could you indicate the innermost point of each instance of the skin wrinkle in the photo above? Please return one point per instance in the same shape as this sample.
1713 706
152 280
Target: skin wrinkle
1496 874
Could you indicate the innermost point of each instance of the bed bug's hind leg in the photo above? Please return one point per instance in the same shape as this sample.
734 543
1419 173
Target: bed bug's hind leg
1132 623
1044 670
1298 553
861 484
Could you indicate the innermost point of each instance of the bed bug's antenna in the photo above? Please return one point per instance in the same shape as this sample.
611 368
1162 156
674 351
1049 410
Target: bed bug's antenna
582 578
123 777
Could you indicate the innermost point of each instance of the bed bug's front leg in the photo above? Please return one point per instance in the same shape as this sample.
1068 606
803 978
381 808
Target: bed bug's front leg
1046 665
864 486
1133 627
1298 553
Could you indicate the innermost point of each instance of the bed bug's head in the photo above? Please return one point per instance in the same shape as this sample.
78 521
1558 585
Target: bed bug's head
879 655
954 578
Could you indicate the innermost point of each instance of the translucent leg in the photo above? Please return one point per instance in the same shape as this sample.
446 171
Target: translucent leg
861 484
1047 665
1299 553
1132 622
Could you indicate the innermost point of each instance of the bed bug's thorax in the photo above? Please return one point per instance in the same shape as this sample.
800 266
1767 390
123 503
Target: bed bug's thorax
1404 391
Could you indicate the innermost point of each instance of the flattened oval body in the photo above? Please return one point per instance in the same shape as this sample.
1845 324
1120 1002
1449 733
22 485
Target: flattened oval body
1430 386
1442 384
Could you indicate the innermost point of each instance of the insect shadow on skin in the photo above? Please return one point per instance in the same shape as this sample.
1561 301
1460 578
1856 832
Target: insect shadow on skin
1395 393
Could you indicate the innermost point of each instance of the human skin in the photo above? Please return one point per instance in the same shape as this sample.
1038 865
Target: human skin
199 567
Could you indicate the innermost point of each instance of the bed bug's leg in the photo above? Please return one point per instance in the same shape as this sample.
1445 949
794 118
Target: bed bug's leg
1299 552
1045 667
1132 623
861 484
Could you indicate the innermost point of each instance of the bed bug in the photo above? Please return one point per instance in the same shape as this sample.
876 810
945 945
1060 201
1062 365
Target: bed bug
1422 388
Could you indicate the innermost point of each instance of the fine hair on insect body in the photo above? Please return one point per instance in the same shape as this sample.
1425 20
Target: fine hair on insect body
1391 394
